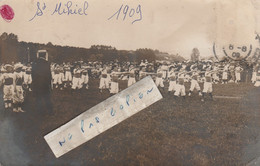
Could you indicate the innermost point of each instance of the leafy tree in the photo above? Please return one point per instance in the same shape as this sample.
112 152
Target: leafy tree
195 55
145 54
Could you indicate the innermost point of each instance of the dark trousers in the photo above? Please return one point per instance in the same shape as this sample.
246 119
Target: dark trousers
43 103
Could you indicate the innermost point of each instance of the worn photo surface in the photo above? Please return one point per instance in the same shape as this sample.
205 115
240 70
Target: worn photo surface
129 82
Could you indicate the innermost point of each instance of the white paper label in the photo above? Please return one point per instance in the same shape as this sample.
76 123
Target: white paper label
103 116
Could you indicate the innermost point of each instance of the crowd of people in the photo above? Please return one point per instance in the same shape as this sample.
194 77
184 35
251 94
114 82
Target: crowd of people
17 78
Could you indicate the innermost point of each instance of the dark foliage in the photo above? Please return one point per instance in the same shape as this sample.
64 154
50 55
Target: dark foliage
11 50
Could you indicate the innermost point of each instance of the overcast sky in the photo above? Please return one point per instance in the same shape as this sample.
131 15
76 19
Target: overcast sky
174 26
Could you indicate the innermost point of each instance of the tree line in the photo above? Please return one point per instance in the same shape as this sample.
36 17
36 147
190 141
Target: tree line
11 50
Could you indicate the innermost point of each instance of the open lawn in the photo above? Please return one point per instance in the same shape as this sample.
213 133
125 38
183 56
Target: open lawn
170 132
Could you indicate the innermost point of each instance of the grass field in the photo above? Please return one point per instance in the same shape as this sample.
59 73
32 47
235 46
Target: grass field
170 132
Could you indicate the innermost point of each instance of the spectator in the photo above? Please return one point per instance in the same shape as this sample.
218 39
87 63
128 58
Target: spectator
41 84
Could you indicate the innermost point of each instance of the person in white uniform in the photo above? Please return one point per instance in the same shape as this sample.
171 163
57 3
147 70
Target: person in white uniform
159 78
207 86
257 83
225 75
180 88
85 77
253 79
8 85
68 75
76 80
172 81
18 96
57 81
114 86
238 71
104 80
28 76
194 84
131 79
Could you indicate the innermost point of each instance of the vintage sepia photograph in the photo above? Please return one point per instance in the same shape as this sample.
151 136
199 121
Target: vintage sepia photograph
130 83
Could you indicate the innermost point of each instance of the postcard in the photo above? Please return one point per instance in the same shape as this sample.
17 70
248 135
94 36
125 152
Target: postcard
129 82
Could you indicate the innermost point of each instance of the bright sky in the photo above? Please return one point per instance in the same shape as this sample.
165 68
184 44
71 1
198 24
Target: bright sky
174 26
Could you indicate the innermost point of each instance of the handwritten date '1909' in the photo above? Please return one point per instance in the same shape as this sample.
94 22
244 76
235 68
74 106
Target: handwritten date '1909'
128 12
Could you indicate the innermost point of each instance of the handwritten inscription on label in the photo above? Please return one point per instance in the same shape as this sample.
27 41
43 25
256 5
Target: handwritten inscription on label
103 116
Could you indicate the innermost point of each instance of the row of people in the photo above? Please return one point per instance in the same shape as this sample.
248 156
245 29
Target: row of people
62 74
16 78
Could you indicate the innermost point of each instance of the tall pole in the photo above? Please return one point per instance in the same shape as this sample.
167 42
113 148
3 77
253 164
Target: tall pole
28 54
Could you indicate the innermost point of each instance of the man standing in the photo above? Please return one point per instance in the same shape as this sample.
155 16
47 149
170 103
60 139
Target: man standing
238 71
41 83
